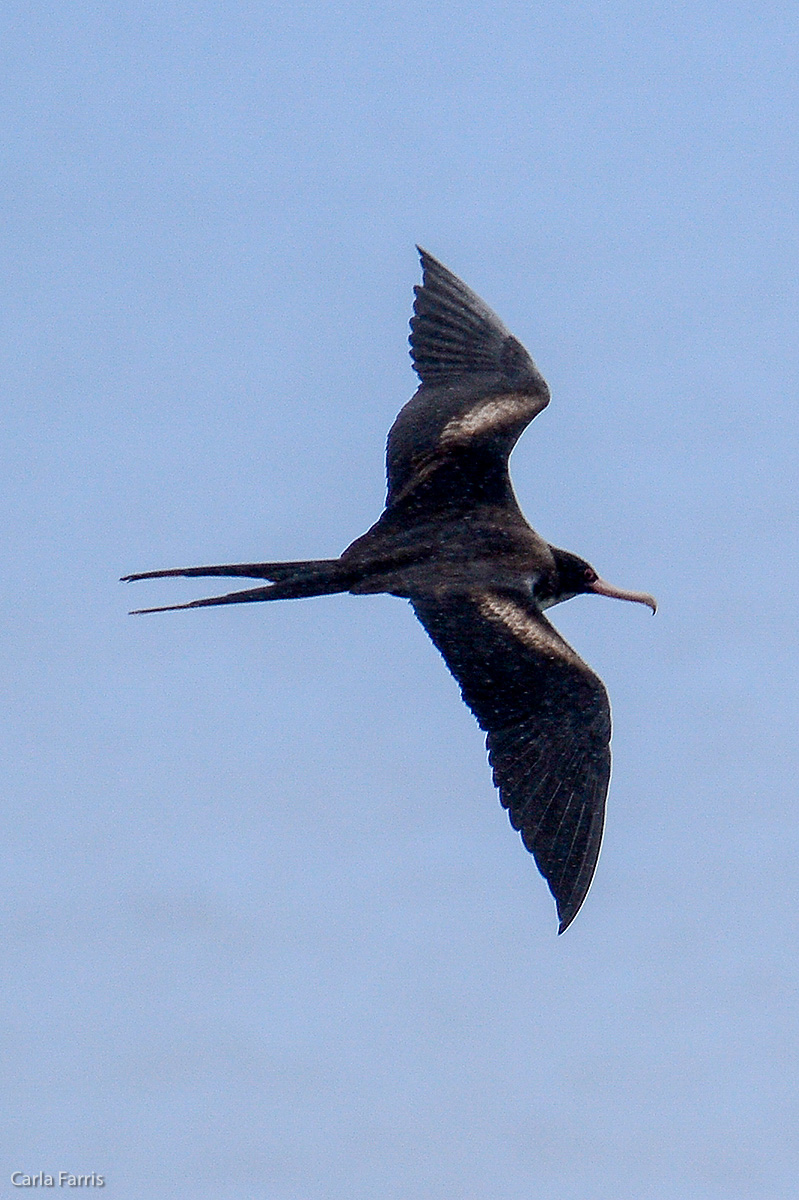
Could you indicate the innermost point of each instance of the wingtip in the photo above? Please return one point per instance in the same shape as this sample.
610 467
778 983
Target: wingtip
426 258
566 914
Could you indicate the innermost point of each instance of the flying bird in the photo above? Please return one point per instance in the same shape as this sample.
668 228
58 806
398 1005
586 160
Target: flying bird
452 540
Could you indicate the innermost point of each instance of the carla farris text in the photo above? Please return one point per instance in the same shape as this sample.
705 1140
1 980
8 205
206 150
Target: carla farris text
60 1179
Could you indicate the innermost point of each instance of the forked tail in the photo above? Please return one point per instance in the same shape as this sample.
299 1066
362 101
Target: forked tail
290 581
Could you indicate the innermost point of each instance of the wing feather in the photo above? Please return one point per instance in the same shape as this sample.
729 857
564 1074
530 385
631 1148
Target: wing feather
468 363
455 335
547 719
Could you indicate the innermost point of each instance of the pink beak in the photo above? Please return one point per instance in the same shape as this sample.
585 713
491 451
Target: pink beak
606 589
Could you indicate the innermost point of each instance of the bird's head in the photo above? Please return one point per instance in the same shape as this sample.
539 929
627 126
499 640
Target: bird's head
573 576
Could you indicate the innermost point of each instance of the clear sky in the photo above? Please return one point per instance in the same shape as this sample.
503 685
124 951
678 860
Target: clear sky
266 932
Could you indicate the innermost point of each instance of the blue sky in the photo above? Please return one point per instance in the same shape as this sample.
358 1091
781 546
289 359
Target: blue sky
266 931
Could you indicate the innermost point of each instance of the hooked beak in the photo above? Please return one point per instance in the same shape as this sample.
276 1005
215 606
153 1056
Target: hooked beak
606 589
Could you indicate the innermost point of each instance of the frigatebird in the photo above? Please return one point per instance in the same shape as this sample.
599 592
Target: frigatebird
452 540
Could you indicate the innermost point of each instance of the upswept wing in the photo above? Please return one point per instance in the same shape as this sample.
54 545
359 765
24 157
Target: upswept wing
455 335
479 386
547 717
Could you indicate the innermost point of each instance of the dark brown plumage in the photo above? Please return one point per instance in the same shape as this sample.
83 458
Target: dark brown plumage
453 541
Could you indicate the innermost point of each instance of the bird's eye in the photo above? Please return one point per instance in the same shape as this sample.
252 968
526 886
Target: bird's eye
590 575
